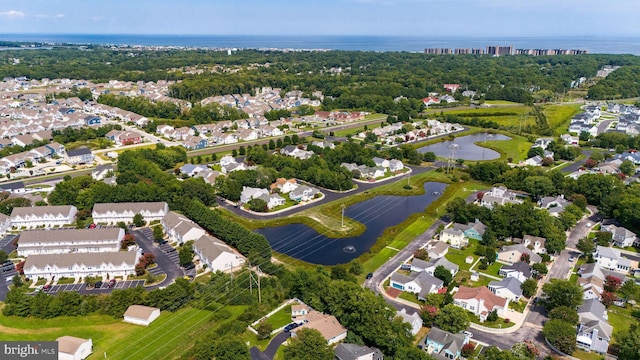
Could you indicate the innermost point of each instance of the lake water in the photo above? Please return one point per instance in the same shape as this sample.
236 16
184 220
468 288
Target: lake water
464 147
302 242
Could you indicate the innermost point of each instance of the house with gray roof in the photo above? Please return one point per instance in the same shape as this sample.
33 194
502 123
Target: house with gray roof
499 196
43 216
37 242
437 249
249 193
420 283
512 254
454 237
473 230
508 288
554 205
415 320
80 265
519 270
433 264
180 229
444 345
610 258
215 255
113 213
101 171
345 351
622 237
594 331
303 193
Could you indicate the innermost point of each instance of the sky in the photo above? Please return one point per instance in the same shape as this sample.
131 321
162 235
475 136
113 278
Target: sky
477 18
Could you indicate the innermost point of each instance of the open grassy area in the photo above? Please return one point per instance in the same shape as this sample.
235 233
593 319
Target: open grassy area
463 277
518 306
516 148
501 102
410 297
170 336
511 117
458 256
493 269
583 355
621 321
281 318
559 116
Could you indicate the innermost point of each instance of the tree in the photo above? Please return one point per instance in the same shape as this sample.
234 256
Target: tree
562 293
627 167
17 280
231 348
272 144
412 353
443 274
428 313
608 298
452 318
429 156
535 151
257 205
3 256
421 254
355 268
185 254
138 220
158 234
308 344
529 287
494 353
525 350
630 344
525 258
603 238
493 316
540 268
566 314
612 283
468 350
234 153
560 334
264 330
586 246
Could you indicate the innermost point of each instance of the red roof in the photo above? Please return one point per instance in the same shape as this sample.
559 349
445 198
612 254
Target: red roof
491 300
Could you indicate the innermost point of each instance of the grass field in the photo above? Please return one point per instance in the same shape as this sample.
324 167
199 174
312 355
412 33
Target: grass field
170 336
583 355
621 321
516 148
458 256
518 115
559 116
501 102
493 269
281 318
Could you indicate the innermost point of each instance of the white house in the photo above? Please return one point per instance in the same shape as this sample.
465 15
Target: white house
180 229
508 288
38 242
395 165
535 243
113 213
499 196
5 224
437 249
414 320
622 237
454 237
80 265
303 193
480 301
249 193
381 162
226 160
43 216
513 253
284 186
101 171
216 255
610 258
74 348
594 331
328 326
420 283
272 200
520 270
141 315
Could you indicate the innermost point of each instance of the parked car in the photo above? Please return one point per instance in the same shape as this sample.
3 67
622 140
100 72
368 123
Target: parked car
46 287
369 276
112 283
468 334
572 258
170 250
97 285
290 327
189 266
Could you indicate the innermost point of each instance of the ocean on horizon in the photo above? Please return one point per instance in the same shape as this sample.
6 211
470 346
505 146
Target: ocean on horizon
609 45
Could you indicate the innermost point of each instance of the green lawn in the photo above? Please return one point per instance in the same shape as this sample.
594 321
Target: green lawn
501 102
559 116
620 320
280 318
463 277
65 281
510 117
518 306
516 148
410 297
493 269
458 256
583 355
169 336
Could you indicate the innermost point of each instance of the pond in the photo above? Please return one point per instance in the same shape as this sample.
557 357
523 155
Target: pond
464 147
304 243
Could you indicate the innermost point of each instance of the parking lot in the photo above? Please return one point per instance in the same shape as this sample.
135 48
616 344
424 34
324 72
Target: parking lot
6 240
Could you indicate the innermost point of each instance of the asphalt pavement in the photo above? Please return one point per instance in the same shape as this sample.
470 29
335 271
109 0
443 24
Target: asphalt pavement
166 262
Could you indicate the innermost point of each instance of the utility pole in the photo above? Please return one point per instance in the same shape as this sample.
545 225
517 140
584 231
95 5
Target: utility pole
259 289
342 211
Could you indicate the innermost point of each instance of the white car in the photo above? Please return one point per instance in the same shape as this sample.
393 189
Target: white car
571 259
468 334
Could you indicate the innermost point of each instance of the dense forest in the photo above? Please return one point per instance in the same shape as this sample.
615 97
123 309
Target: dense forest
349 79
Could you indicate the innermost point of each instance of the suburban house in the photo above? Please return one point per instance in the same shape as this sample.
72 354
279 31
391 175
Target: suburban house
113 213
499 196
418 265
454 237
346 351
508 288
622 237
381 162
296 152
74 348
414 320
420 283
513 253
395 165
610 258
141 315
80 265
273 200
303 193
594 331
191 169
592 287
216 255
81 155
519 270
554 205
445 344
327 325
101 171
43 216
437 249
480 301
5 224
535 243
38 242
14 187
249 193
180 229
231 167
283 185
473 230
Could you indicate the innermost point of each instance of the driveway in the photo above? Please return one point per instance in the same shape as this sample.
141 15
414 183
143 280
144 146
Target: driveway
275 343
